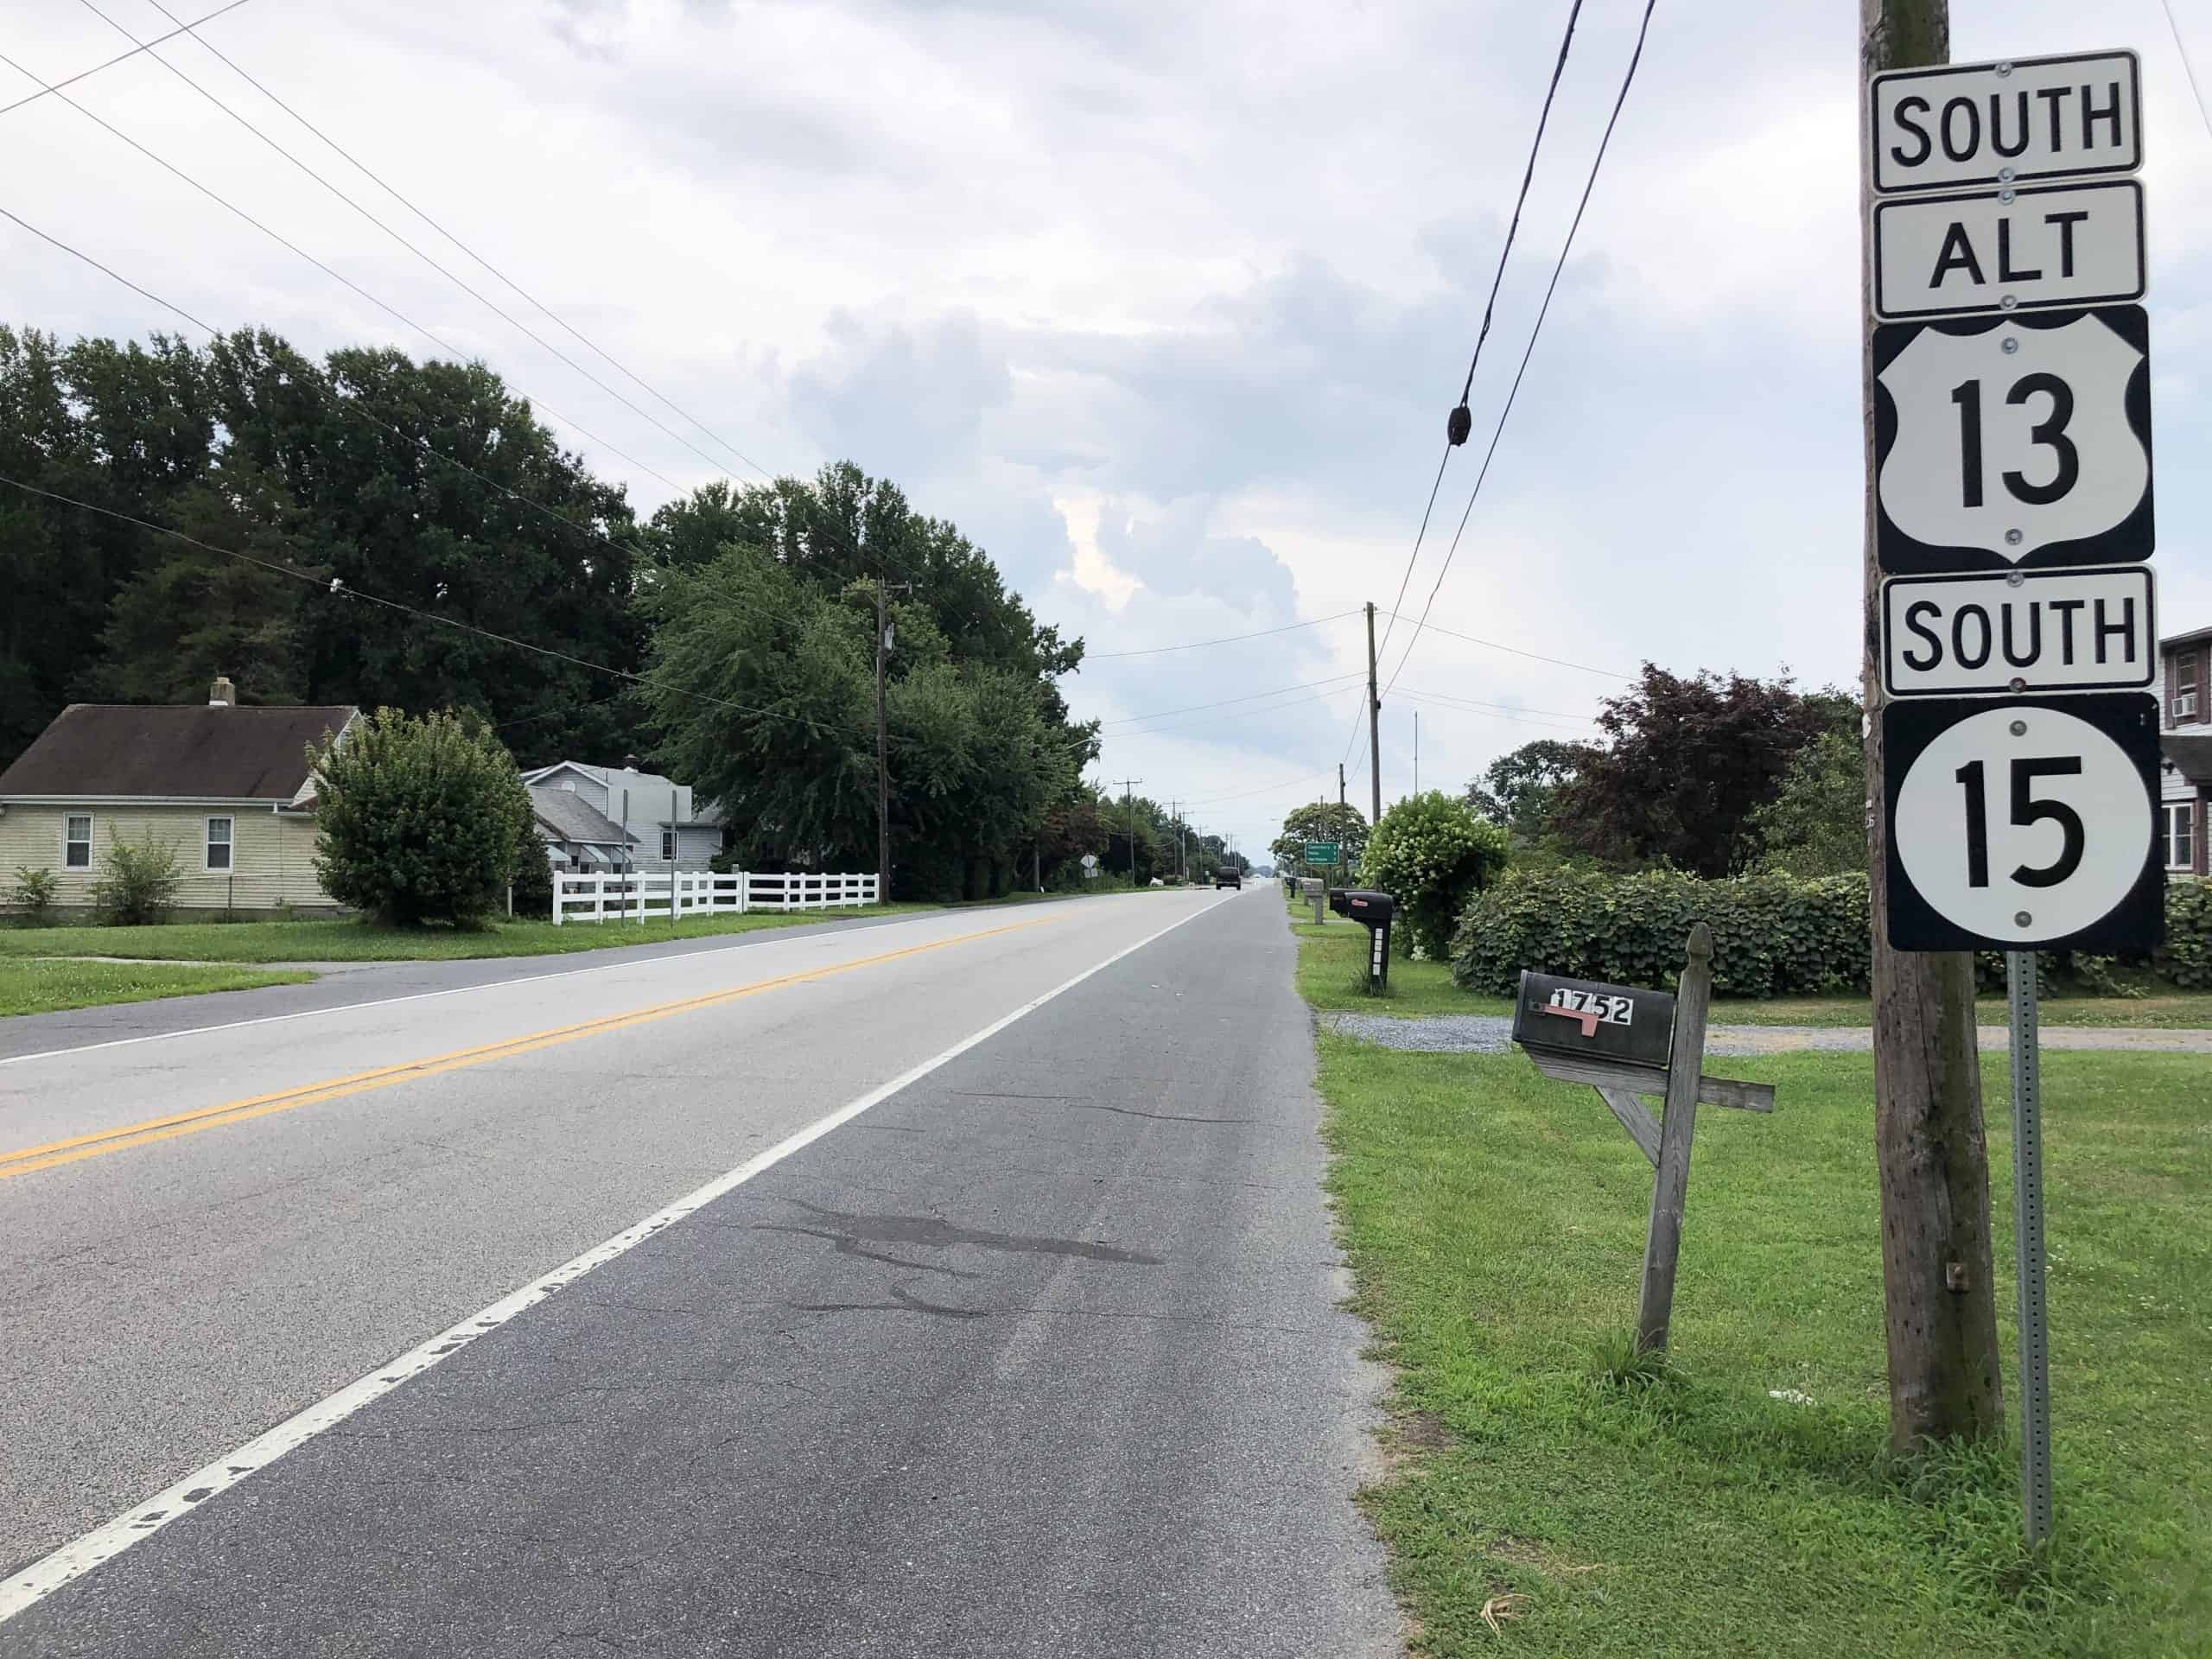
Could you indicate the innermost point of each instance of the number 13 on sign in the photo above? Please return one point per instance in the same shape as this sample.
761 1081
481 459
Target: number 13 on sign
2010 440
2025 824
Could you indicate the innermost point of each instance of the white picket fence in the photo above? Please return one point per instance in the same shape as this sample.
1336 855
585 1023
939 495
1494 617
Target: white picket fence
646 896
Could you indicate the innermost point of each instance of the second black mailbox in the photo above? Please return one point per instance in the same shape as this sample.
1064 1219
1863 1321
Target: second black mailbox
1374 910
1578 1017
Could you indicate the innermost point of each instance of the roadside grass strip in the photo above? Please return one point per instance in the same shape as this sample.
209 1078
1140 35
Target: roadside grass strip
1552 1493
48 986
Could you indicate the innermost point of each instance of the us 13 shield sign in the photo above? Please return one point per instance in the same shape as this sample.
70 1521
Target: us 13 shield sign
2025 824
2013 441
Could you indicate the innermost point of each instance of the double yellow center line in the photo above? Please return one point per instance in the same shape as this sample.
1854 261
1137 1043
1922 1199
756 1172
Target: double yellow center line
103 1142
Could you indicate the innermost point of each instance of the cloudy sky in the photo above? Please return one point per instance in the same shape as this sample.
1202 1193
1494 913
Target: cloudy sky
1164 305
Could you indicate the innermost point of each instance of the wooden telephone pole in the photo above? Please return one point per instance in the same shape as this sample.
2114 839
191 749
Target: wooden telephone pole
1129 807
1374 724
1928 1141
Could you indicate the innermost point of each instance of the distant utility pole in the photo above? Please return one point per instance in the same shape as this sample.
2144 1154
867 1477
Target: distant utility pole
1340 783
1416 751
1374 721
883 743
1929 1139
1129 806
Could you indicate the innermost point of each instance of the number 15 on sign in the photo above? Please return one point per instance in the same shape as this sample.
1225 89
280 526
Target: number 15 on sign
2023 825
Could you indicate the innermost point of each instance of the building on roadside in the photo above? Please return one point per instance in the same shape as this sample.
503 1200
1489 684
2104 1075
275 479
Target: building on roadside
656 815
2185 746
228 788
580 839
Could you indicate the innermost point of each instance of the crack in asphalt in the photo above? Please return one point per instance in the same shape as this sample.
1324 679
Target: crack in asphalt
848 1230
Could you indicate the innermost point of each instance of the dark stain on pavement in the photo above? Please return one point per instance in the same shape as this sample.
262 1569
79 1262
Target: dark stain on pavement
848 1232
1083 1103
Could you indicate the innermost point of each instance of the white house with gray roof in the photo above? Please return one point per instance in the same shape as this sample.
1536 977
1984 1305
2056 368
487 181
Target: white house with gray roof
656 816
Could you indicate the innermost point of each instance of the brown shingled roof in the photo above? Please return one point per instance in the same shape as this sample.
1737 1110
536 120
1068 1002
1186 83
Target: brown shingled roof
123 751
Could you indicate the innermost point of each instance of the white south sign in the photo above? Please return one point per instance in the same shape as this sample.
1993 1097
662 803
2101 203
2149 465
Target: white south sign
2004 440
2006 122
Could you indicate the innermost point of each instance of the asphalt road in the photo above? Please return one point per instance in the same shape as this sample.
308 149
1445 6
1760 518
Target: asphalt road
1038 1351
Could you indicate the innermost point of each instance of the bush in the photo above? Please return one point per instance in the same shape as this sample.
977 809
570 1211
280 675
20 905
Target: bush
1772 935
2186 956
1433 854
32 897
140 881
533 883
419 820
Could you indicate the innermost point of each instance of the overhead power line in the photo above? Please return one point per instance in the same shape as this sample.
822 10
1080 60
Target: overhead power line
123 57
1226 639
394 192
1422 627
1250 696
490 305
294 247
1456 428
2187 67
1551 287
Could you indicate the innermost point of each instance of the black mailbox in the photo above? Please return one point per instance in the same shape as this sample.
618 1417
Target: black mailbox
1373 911
1365 905
1577 1016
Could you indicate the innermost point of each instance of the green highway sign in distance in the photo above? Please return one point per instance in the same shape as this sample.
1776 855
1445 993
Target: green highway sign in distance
1320 852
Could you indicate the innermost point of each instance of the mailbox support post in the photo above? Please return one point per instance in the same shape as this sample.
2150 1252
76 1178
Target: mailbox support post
1662 1244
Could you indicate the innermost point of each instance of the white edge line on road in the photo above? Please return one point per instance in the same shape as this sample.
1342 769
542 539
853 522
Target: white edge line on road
80 1556
759 935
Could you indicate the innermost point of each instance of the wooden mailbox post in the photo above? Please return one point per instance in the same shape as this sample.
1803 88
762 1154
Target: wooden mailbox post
1628 1042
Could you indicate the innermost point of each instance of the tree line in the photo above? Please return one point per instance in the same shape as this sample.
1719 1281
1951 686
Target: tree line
333 517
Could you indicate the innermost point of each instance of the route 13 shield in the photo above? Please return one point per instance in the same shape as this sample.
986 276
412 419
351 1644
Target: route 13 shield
2027 824
2013 441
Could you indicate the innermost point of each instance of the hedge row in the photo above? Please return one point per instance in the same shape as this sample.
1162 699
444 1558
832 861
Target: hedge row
1772 935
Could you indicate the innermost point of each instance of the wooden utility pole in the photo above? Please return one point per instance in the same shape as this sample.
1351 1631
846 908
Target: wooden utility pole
882 751
1340 783
1129 807
1928 1141
1374 724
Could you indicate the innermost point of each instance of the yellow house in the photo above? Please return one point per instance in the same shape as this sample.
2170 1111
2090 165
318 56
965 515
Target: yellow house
227 788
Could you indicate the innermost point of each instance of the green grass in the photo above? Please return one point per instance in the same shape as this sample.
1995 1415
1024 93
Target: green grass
358 941
2164 1008
1332 974
1495 1222
45 987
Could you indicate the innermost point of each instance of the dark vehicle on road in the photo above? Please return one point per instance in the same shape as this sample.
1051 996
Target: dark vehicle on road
1227 876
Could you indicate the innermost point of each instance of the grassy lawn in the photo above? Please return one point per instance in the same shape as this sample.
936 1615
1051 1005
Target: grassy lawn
356 941
44 987
1332 974
1495 1220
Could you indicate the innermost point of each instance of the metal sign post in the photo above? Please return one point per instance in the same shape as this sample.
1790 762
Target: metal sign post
2027 1232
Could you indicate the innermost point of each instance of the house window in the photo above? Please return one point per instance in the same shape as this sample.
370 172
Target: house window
2185 686
2181 834
219 844
77 842
668 846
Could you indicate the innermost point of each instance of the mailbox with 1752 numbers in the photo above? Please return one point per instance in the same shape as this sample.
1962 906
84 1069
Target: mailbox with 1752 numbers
1621 1022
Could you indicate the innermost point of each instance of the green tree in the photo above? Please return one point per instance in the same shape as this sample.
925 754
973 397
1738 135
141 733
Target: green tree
1432 855
1687 762
419 820
1816 825
1516 791
1321 821
190 615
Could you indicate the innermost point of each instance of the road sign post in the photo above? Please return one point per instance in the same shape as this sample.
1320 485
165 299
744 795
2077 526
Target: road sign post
2011 382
